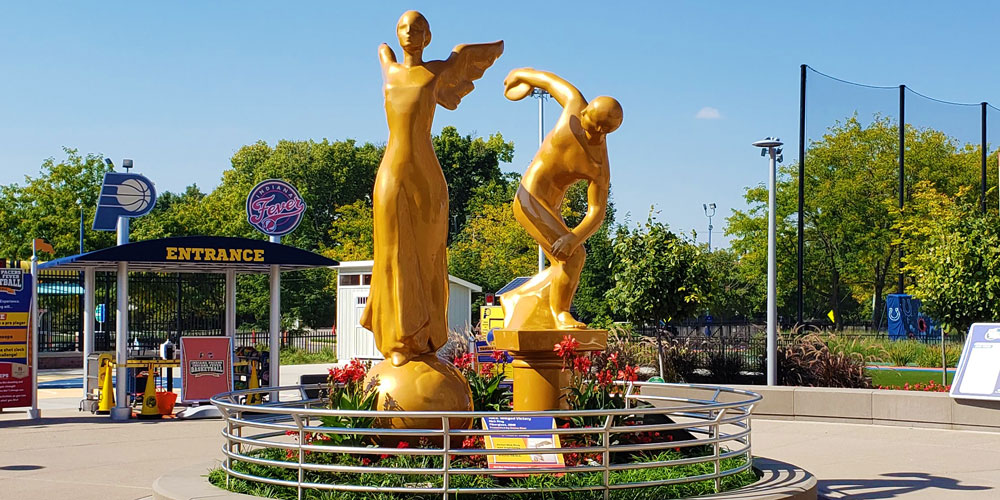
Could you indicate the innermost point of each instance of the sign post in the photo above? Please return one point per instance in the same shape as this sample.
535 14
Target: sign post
17 372
275 208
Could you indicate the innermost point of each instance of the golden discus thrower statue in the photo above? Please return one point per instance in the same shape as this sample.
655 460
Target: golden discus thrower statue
537 313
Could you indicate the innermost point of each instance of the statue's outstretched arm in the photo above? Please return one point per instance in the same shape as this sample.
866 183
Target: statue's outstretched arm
597 206
385 55
519 83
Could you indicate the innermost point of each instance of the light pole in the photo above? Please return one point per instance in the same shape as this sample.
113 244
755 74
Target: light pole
771 148
80 203
541 95
710 206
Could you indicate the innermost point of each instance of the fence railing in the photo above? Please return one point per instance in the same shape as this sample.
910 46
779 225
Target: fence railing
715 419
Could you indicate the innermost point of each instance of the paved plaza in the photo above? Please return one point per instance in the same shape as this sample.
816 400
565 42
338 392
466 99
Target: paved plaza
75 455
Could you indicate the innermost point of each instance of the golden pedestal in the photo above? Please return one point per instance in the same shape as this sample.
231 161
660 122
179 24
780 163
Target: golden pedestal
539 378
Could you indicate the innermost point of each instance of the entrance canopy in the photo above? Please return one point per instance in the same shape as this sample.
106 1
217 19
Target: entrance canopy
195 254
192 254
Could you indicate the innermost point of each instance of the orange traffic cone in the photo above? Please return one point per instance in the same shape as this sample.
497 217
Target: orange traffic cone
106 401
149 409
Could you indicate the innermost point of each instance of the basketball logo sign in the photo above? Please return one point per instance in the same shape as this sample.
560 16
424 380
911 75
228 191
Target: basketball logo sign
123 195
274 207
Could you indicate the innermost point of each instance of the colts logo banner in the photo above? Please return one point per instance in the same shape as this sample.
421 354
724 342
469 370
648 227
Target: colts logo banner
123 195
274 207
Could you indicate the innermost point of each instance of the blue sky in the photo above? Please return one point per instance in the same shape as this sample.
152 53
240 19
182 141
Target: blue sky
180 86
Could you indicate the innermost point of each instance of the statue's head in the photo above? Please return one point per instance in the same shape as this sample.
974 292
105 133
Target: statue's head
414 31
603 115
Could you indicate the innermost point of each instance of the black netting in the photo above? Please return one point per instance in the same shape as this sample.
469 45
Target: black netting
850 255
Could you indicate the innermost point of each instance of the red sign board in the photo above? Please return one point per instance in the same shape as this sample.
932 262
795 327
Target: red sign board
206 367
15 385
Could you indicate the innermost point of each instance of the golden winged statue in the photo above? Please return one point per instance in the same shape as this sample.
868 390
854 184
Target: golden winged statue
407 305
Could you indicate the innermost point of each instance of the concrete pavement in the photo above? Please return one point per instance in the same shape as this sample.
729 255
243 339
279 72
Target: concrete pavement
882 462
69 454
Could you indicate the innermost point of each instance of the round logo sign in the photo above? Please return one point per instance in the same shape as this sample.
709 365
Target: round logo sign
274 207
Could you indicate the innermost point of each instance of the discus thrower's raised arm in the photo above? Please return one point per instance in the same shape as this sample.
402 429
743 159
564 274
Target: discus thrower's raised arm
565 93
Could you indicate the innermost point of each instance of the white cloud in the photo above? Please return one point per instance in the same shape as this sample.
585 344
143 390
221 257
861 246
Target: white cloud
708 113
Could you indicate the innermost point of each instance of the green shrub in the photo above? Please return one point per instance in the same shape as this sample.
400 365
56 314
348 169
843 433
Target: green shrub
295 356
904 352
871 350
930 356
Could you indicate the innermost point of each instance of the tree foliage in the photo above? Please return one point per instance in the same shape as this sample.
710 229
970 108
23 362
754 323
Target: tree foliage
954 254
658 276
851 208
48 206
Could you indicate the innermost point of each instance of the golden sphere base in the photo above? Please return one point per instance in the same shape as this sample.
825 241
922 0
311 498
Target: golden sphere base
425 383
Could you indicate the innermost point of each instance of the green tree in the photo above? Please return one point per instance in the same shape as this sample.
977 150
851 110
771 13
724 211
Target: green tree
174 215
850 211
732 293
48 206
352 232
953 256
658 276
492 248
468 163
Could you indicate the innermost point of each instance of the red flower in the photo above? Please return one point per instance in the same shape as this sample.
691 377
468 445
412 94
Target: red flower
474 442
464 361
605 378
566 349
403 444
581 364
486 369
500 356
628 374
613 359
365 461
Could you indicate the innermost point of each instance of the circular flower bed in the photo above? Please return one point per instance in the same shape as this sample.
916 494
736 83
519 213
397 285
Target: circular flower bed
619 438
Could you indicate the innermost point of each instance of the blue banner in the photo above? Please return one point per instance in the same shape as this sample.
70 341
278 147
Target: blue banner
903 312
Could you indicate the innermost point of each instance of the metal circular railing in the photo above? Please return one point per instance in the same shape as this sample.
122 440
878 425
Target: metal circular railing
716 421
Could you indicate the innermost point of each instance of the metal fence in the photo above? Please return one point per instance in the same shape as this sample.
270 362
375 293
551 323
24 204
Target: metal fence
737 353
161 306
714 420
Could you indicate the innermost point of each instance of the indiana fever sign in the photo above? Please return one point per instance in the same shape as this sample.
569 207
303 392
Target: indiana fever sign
274 207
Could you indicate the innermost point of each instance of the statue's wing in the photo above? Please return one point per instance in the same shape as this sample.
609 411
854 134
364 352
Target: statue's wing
466 64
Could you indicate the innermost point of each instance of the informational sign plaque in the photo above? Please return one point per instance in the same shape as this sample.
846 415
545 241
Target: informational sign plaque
978 374
206 367
526 441
15 328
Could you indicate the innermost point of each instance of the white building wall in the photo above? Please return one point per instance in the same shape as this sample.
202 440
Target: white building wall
459 307
354 341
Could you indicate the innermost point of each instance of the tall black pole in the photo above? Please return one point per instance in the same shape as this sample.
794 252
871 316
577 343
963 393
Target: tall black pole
982 160
902 155
802 181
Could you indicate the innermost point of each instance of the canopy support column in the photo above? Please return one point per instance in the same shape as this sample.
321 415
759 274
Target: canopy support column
89 279
231 304
275 327
121 411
